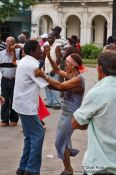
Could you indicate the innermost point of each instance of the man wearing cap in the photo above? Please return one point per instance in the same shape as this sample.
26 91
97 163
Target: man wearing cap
59 40
72 48
53 97
69 50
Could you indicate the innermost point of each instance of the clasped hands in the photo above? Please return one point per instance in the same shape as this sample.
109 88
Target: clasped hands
15 46
47 50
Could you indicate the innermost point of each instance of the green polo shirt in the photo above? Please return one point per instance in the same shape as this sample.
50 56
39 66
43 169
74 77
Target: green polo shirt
98 110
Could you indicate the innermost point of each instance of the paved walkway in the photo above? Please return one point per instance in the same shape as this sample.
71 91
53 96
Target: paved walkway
11 142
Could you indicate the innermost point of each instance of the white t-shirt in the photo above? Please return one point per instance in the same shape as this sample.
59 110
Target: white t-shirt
48 67
27 87
6 58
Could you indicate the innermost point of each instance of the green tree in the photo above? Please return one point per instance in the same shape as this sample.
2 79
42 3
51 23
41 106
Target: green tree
114 19
10 8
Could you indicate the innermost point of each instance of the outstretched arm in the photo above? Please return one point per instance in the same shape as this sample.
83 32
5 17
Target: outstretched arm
70 84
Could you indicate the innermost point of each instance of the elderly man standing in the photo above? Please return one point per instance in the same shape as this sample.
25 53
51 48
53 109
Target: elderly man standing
25 102
53 97
98 111
7 84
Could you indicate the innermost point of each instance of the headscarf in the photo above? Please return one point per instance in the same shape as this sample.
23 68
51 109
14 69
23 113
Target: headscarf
81 68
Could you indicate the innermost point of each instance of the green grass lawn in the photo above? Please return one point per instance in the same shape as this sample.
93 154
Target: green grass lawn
90 62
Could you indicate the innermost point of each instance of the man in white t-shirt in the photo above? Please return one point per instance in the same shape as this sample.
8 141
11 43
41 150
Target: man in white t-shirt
25 103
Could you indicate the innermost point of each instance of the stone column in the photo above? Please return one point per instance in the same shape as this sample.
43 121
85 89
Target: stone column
63 33
60 20
57 14
83 35
109 30
89 33
109 22
84 24
109 26
86 34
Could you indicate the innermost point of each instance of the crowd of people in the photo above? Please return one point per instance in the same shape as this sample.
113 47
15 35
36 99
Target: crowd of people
56 65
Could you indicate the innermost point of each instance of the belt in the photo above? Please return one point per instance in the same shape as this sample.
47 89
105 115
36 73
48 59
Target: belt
12 78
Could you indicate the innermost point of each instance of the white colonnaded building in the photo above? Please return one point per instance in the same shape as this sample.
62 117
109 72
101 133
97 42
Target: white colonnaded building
90 20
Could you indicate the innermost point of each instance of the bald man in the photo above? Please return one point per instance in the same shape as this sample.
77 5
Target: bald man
8 115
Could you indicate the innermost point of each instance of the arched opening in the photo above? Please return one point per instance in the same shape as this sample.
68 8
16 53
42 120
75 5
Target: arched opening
99 30
45 24
73 26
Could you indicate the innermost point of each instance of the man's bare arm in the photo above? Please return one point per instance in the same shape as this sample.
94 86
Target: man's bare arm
76 125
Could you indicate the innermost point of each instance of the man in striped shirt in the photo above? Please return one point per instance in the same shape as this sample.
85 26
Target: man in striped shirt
61 42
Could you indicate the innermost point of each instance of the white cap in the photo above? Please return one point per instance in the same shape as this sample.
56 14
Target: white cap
45 35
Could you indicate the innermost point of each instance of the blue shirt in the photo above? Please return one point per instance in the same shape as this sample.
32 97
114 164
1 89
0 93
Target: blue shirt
98 110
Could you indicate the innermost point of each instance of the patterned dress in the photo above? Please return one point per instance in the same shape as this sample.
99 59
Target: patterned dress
72 101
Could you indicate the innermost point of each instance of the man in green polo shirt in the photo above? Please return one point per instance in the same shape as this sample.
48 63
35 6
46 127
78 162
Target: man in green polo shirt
98 112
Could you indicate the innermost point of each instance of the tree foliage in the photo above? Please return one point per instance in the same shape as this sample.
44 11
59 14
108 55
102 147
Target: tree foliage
12 7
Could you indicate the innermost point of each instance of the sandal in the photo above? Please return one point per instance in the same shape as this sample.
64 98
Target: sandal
64 173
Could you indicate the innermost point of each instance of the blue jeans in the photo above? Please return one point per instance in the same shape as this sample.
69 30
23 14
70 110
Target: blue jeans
53 97
33 141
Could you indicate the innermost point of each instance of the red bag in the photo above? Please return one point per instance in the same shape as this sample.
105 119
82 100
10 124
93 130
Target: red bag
42 110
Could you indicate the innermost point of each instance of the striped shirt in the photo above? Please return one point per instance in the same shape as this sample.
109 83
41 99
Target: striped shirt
61 42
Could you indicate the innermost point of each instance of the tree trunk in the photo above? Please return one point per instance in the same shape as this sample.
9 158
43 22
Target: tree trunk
114 19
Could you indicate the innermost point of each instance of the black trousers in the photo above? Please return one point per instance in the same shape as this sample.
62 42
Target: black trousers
7 89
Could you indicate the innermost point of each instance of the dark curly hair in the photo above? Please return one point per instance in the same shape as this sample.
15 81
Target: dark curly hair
29 46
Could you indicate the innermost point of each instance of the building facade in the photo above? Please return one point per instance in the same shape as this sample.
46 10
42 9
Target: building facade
90 20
